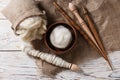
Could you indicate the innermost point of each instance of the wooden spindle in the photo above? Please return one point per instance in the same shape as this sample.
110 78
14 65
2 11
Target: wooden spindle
96 36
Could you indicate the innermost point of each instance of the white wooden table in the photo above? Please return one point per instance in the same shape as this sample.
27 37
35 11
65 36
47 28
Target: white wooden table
15 65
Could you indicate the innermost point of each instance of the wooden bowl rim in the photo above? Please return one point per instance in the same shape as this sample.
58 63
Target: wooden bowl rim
62 51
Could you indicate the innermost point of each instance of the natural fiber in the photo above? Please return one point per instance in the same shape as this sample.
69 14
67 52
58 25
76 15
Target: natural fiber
105 15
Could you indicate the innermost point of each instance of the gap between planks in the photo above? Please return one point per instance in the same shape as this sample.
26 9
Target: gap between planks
10 50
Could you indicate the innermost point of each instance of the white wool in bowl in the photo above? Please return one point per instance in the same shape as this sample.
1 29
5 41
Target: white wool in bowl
60 37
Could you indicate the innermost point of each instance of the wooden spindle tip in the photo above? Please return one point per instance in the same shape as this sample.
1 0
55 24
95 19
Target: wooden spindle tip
72 6
75 67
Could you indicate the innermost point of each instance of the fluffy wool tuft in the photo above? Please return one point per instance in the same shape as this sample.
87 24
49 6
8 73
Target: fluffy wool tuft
32 28
60 37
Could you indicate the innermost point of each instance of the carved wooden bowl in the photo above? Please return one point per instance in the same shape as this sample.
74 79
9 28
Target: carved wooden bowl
57 50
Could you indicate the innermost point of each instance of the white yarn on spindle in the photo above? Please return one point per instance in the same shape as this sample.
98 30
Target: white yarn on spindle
50 58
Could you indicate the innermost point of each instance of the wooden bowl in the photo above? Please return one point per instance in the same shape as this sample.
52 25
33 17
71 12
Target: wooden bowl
60 50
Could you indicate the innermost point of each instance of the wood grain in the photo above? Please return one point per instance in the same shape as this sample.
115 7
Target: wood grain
15 65
7 37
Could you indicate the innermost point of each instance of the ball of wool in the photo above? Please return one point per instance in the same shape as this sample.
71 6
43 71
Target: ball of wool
60 37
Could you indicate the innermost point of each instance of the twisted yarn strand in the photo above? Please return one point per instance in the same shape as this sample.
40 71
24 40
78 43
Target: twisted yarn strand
50 58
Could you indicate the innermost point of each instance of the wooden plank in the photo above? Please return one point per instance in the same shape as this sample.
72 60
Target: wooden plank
18 66
2 17
8 41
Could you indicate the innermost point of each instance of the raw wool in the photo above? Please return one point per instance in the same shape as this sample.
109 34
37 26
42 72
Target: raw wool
33 28
60 37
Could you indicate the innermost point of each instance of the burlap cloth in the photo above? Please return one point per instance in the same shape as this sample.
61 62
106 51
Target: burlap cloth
18 10
105 14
